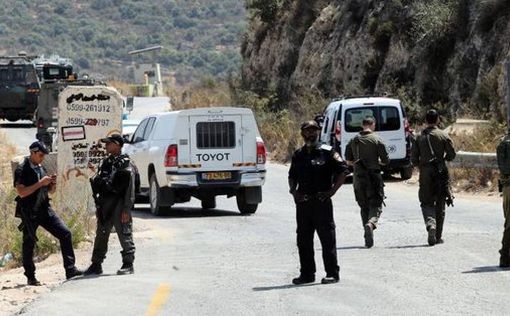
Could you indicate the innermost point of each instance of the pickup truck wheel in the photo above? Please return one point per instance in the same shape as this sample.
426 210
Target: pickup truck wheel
209 203
406 173
155 197
244 207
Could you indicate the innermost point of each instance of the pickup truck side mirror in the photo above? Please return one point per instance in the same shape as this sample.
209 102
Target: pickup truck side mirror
127 138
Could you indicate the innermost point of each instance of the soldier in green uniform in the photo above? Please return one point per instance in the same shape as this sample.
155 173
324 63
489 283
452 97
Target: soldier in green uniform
114 194
503 155
430 151
366 153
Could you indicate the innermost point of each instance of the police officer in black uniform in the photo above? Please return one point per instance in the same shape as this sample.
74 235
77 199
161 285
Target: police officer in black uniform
33 207
315 174
114 194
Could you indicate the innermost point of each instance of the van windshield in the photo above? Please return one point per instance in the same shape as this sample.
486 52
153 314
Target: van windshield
387 118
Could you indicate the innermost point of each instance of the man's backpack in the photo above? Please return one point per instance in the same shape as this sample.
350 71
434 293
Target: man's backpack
503 155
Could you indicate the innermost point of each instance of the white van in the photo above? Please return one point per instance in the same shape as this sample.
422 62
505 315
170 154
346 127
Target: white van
202 153
343 120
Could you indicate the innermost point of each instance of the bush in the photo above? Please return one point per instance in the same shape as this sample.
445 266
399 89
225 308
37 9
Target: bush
490 12
433 21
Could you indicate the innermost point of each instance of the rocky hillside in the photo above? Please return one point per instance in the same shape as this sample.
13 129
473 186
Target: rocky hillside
446 53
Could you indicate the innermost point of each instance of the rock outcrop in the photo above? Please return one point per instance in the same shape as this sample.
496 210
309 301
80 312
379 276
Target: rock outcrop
435 52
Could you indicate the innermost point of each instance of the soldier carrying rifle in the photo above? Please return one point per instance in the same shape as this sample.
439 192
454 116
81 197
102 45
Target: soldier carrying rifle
367 153
430 152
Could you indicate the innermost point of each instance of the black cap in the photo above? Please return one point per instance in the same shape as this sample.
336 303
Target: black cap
310 124
115 138
39 146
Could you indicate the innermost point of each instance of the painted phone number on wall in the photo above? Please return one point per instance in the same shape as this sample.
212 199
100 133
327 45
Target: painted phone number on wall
78 107
87 122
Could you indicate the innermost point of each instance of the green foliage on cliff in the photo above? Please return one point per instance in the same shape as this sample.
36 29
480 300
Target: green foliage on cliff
199 37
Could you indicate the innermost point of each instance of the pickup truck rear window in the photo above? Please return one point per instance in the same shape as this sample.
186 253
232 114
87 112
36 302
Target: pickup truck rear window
211 135
387 118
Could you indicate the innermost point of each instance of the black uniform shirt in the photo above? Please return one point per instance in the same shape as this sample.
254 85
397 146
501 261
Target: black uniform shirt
117 177
28 174
315 170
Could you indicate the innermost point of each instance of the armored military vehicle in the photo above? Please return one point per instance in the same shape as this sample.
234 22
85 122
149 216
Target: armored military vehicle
19 87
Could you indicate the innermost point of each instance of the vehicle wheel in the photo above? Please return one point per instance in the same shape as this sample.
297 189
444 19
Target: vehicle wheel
406 173
244 207
209 202
155 197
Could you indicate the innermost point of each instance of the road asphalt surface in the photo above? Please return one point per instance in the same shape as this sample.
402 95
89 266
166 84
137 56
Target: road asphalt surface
218 262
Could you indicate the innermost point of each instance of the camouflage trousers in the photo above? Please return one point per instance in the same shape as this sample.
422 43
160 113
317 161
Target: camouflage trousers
432 203
123 223
369 195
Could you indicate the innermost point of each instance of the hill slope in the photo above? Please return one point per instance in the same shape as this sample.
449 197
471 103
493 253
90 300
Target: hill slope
199 36
437 51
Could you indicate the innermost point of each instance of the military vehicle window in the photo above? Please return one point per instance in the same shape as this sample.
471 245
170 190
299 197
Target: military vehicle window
18 74
4 75
325 126
53 71
354 118
138 136
149 127
389 119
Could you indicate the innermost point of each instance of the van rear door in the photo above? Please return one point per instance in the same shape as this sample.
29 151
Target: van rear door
389 126
216 141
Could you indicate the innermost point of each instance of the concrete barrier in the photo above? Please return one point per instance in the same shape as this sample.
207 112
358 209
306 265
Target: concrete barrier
466 159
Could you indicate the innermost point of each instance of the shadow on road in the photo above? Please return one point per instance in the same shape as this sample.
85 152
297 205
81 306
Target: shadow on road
282 287
350 248
16 125
183 212
487 269
17 286
408 246
391 178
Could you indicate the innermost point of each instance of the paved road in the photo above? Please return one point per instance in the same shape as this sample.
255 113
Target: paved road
146 106
20 133
221 263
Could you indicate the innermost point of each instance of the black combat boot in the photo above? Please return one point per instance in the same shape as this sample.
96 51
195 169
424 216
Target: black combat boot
94 268
31 280
303 279
369 235
504 259
432 236
73 272
127 268
330 279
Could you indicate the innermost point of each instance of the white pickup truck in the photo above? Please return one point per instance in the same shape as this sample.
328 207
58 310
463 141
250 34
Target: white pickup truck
199 153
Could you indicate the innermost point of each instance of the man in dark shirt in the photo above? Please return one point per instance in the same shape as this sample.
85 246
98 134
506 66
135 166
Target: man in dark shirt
315 174
33 206
113 190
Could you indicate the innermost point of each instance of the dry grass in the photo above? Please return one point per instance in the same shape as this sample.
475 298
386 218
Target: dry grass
124 88
207 93
483 139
